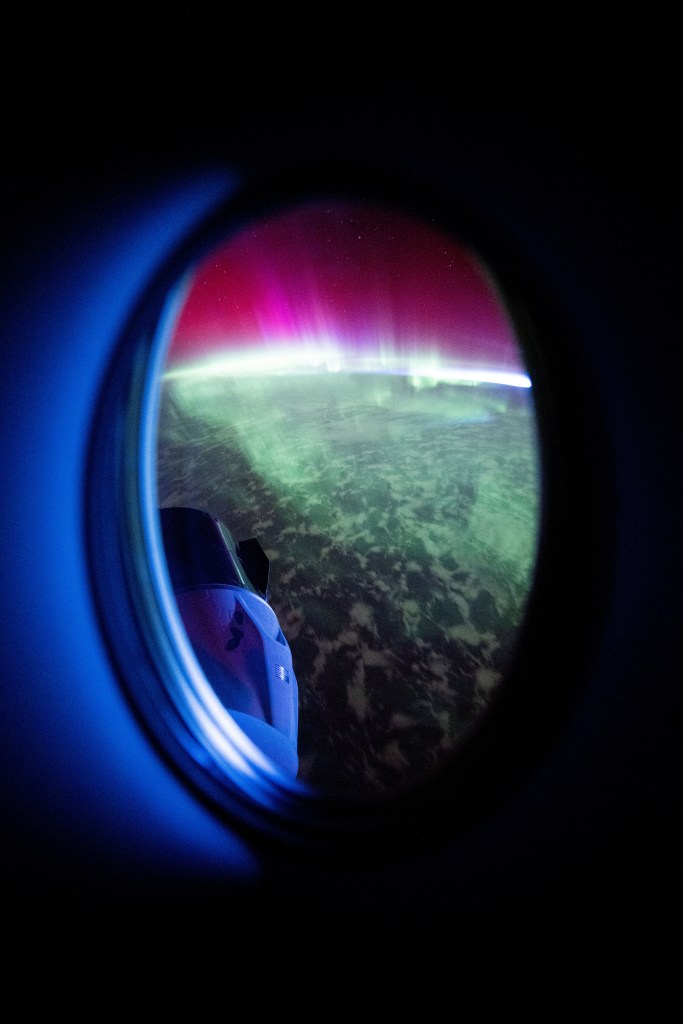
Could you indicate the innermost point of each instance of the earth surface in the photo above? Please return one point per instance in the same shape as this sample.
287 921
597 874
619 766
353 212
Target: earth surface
400 517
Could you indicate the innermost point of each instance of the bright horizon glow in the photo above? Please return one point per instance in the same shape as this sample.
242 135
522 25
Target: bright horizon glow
330 359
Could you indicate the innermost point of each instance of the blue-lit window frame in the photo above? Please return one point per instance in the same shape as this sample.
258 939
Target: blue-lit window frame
157 666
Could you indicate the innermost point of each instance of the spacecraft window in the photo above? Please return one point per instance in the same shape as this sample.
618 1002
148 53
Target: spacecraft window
343 384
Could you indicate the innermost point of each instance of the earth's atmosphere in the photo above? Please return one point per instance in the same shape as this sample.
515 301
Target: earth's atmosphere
400 517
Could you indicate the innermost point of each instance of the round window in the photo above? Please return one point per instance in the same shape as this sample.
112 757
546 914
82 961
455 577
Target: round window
345 468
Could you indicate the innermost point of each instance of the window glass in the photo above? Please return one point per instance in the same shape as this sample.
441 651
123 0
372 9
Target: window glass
344 386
